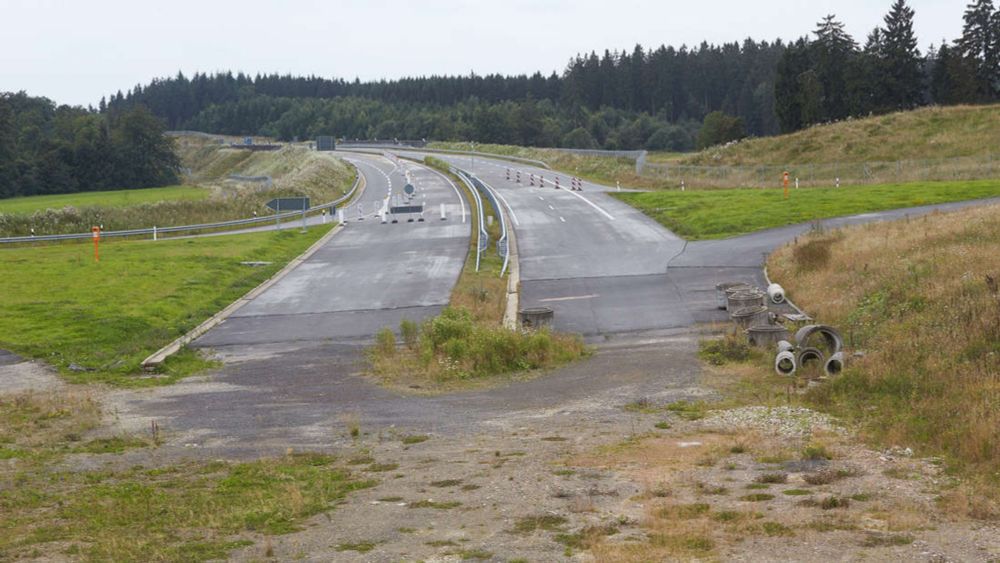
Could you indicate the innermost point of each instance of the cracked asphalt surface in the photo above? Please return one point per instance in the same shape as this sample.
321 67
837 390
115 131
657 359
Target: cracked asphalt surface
293 360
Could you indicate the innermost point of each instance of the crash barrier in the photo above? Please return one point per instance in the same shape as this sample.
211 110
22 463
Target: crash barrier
159 231
477 185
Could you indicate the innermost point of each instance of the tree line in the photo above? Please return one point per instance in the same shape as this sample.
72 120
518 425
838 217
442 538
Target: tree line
831 77
46 149
644 98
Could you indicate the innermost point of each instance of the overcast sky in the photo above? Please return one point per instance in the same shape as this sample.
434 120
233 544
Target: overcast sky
76 51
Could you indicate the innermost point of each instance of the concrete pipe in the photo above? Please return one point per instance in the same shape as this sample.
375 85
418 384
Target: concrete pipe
722 288
834 365
762 336
776 294
785 346
831 337
784 363
748 317
744 299
809 356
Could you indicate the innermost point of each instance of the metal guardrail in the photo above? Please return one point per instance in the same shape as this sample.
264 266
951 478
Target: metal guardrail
503 243
184 228
483 240
423 150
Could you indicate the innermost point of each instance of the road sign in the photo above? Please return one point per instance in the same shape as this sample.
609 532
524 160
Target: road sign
289 204
406 209
408 189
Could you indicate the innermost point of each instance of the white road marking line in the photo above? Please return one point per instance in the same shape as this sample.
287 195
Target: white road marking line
552 208
541 198
592 204
571 298
562 219
509 208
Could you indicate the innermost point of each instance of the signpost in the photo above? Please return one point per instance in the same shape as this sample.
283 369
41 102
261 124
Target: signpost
96 232
408 189
289 204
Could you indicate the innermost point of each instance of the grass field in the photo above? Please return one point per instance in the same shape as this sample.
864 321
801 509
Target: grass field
116 198
60 306
295 171
713 214
921 298
55 505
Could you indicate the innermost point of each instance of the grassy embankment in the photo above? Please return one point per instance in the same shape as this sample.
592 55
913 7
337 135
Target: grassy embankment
295 170
921 298
192 511
944 144
116 198
713 214
61 307
467 345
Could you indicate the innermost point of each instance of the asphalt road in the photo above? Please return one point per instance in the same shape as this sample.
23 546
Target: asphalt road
609 272
370 275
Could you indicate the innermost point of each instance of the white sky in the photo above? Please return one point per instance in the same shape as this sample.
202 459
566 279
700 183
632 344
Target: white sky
76 51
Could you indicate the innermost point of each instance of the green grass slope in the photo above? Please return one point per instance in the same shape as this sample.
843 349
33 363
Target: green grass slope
116 198
927 133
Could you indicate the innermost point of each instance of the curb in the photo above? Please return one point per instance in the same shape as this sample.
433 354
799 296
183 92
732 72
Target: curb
513 283
156 359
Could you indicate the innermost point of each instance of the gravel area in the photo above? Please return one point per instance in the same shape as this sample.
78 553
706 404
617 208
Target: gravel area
797 422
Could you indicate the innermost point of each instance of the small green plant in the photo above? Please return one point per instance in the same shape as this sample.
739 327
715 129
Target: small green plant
776 529
446 483
360 547
722 351
727 516
434 504
739 448
415 439
830 503
816 452
410 332
385 343
883 540
687 410
772 478
797 492
662 425
757 497
547 522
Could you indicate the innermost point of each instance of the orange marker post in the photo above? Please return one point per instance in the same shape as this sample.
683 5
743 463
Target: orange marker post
96 232
785 183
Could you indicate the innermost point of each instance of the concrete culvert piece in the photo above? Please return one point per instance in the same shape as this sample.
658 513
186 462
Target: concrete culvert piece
785 346
776 294
748 317
766 335
736 300
834 365
722 289
831 337
809 356
784 363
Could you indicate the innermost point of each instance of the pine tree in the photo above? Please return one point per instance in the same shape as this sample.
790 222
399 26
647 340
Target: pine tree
902 76
835 50
979 43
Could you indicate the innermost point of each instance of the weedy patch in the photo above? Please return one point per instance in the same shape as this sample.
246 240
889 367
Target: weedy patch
446 505
547 522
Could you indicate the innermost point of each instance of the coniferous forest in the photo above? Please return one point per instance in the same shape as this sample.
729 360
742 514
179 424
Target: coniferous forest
662 98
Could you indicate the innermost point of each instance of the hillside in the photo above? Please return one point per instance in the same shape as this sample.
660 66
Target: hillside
927 133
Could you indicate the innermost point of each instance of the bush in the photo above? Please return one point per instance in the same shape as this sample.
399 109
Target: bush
410 333
726 350
385 342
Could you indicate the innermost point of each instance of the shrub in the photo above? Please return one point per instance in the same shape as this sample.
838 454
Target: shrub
385 342
723 351
410 333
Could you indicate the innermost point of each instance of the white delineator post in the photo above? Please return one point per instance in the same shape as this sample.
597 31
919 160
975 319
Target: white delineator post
443 216
154 233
